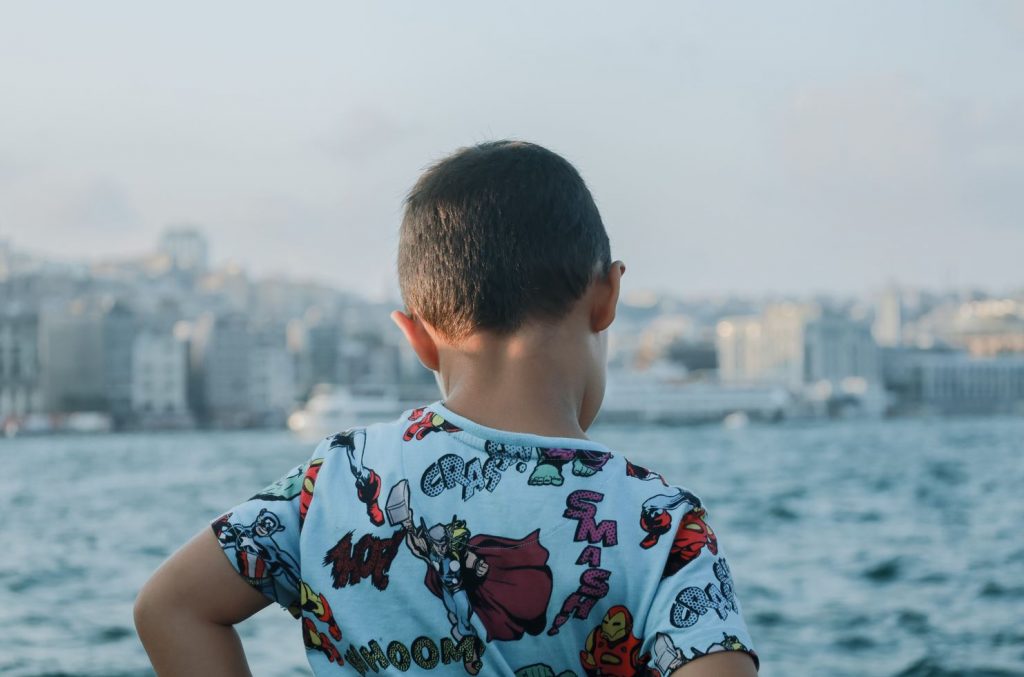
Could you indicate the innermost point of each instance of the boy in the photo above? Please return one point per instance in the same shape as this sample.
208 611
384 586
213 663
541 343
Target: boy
483 533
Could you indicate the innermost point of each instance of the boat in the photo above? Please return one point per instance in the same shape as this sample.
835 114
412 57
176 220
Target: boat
332 408
654 398
88 422
736 420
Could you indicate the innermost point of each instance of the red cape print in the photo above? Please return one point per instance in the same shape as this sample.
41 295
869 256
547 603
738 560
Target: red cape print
512 599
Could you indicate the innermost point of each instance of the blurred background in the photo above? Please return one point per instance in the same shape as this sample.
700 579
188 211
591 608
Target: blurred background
822 329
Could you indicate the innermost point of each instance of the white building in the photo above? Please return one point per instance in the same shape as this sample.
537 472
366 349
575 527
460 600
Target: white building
768 348
796 346
838 349
739 348
888 326
159 377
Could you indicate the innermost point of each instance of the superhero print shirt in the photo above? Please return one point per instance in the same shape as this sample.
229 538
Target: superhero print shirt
432 544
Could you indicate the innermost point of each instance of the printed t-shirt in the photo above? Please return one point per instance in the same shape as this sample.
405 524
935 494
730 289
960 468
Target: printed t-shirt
434 545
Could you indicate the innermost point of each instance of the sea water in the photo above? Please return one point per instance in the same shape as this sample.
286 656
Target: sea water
891 547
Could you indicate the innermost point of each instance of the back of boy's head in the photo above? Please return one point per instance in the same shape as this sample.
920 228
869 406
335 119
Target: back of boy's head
498 234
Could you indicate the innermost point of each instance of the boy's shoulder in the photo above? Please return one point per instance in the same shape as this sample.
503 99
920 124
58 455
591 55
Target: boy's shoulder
450 434
447 453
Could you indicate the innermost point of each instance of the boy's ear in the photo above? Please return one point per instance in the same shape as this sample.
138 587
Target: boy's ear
607 298
419 338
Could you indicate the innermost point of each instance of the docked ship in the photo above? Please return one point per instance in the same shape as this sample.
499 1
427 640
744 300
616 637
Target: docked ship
332 408
650 398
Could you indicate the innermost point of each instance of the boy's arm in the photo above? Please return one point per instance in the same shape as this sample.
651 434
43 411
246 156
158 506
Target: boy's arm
719 664
184 614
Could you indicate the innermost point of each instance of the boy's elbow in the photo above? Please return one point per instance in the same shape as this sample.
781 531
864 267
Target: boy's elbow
196 586
146 610
158 607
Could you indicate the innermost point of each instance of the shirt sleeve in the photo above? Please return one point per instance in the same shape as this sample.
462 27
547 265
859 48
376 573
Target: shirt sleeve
260 536
695 610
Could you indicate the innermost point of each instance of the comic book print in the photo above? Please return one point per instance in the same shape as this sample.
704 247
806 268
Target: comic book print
641 473
656 516
478 599
314 604
582 506
693 535
258 557
613 649
369 557
693 602
425 652
550 462
505 581
367 480
306 490
425 422
452 471
668 658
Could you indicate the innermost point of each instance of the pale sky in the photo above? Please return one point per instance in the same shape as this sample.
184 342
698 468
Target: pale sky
759 147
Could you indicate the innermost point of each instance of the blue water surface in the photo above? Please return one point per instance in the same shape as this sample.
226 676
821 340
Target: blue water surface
858 547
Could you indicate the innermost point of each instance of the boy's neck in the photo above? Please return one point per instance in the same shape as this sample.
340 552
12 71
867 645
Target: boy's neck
531 382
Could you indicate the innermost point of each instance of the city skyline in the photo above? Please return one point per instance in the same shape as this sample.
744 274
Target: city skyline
838 151
164 339
635 296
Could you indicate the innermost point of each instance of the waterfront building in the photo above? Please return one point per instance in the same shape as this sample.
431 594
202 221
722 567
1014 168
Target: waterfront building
667 331
15 263
738 346
318 340
226 289
219 363
826 358
888 326
964 384
20 388
368 360
70 358
837 349
989 328
768 348
272 385
953 382
118 328
159 379
186 248
85 352
783 342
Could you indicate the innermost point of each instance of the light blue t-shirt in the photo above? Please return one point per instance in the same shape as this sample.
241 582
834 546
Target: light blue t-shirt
432 544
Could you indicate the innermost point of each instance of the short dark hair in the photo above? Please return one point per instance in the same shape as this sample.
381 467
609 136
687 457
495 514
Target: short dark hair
498 233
